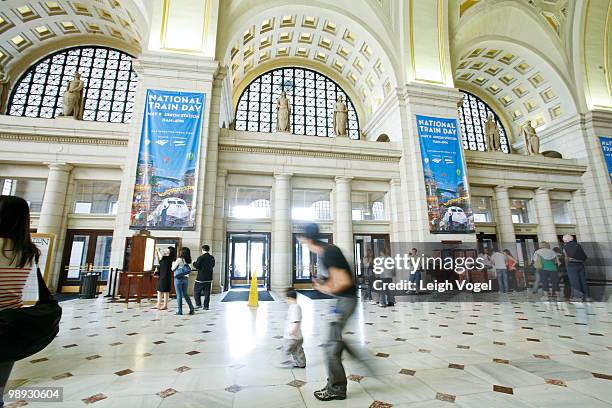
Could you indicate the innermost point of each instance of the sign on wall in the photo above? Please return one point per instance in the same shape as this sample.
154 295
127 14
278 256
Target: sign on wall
606 148
446 187
165 188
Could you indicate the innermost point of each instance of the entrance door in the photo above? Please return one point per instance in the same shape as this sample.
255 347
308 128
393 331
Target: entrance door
85 250
525 247
248 254
305 263
375 243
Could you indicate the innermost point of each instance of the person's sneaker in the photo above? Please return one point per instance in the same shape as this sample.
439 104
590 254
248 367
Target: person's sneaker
192 312
574 299
204 308
325 395
373 302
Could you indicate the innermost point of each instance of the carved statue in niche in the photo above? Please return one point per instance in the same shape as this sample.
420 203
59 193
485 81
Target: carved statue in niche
73 98
532 142
283 112
340 117
492 134
4 87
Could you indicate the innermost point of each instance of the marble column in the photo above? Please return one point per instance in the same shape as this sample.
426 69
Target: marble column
546 222
581 217
218 241
280 274
395 211
505 226
344 216
52 212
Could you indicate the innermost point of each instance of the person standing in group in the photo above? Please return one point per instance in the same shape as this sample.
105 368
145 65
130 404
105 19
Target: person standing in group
417 274
511 263
18 255
574 264
292 339
204 264
368 274
164 283
546 261
567 290
499 261
182 269
341 285
386 297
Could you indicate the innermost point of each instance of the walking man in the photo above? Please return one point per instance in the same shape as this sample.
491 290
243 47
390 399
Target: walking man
204 264
341 285
574 264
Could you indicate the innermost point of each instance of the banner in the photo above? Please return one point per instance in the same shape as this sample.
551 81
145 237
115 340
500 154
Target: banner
448 201
606 148
164 192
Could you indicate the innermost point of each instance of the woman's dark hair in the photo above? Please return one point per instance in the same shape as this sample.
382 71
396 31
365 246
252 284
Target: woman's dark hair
15 227
172 253
186 255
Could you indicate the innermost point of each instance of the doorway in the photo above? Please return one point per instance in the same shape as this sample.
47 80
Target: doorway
85 251
525 247
248 255
305 263
362 243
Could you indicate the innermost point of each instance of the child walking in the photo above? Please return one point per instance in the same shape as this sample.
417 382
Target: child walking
292 340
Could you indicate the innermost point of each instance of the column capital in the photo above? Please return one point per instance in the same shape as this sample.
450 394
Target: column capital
221 173
543 190
343 179
395 182
580 192
59 166
283 176
500 188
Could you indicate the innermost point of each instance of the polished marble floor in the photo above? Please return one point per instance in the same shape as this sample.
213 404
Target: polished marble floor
510 353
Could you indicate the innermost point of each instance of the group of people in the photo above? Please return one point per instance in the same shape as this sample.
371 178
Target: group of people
549 266
178 268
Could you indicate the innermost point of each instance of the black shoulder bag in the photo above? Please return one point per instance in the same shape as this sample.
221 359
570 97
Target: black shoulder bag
28 330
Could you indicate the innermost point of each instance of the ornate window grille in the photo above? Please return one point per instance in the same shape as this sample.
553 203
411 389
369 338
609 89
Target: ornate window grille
110 85
473 115
312 97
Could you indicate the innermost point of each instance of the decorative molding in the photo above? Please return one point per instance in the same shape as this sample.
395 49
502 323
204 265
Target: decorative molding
306 153
63 139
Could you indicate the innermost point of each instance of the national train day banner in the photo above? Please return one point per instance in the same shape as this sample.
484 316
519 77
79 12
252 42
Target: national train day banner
448 201
165 188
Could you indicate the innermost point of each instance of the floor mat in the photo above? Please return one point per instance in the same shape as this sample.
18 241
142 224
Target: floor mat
243 296
62 297
314 294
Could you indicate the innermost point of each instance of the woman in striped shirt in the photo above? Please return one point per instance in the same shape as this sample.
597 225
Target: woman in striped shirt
17 256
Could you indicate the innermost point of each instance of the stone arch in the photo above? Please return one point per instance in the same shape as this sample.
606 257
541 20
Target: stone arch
383 137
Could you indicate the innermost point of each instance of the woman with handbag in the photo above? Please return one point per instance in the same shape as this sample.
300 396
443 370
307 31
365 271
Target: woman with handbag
182 269
23 331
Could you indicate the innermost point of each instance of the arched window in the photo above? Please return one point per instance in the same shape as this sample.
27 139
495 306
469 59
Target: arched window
473 115
110 85
312 97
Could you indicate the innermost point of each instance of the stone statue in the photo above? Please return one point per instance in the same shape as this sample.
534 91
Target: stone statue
340 117
532 143
492 134
283 111
73 98
4 88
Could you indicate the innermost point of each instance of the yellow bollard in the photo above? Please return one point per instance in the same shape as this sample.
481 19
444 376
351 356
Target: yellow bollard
253 302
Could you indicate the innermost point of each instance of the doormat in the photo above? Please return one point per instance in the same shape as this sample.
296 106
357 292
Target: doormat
243 296
314 294
63 297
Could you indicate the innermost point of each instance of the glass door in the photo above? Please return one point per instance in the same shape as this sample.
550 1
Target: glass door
363 243
249 254
85 251
305 263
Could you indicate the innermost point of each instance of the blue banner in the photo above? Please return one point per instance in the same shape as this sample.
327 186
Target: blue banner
606 148
448 200
164 192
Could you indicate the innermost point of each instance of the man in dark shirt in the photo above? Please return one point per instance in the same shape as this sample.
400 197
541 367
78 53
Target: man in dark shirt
204 264
340 284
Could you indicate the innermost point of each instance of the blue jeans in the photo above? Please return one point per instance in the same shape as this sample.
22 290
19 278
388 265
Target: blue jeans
536 281
416 278
577 278
502 280
180 285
